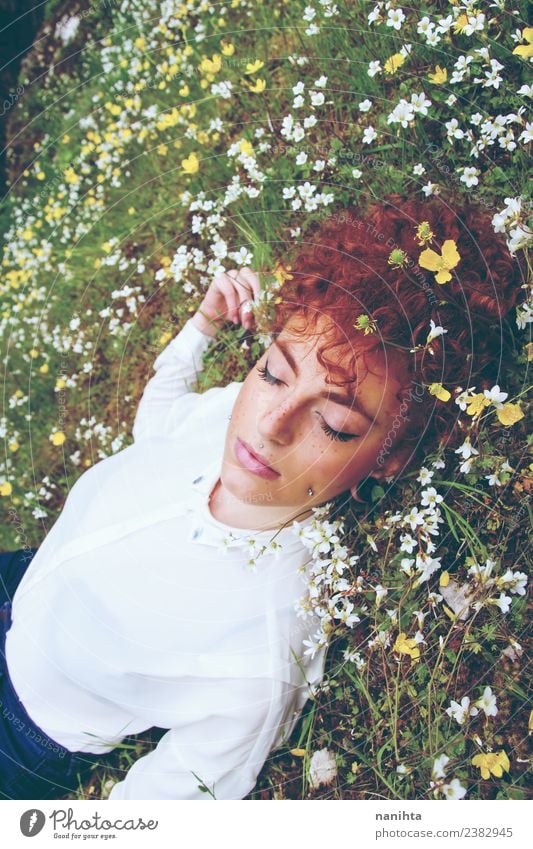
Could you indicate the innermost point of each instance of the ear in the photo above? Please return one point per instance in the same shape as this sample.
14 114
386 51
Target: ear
393 463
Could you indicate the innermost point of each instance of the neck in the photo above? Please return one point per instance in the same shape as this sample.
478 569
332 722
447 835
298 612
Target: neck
226 508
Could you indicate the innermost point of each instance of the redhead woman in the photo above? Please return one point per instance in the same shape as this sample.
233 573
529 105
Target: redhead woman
140 608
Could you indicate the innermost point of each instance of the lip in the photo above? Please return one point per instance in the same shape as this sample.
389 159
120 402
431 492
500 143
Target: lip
253 462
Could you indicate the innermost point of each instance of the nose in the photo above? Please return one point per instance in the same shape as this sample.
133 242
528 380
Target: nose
278 422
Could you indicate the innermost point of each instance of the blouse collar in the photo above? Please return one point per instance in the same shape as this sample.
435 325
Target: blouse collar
208 530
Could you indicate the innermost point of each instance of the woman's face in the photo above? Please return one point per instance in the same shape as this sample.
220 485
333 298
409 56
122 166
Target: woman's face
286 406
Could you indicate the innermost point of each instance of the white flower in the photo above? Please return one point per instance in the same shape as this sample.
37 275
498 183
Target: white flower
495 396
466 450
414 518
430 496
301 158
419 169
469 176
420 103
515 582
454 790
406 565
317 98
321 82
439 464
381 592
503 602
407 543
434 331
462 711
299 87
374 68
365 105
395 18
493 479
357 173
402 113
429 188
322 768
425 475
438 766
487 702
369 135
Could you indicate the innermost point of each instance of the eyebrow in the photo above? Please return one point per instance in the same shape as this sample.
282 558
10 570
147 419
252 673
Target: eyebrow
336 397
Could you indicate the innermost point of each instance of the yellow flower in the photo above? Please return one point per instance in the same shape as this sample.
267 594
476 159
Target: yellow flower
492 762
60 383
252 67
211 66
439 76
44 368
228 49
509 414
298 753
407 645
258 86
424 233
58 438
13 445
191 164
460 23
246 147
476 404
441 264
439 391
184 90
6 488
526 50
165 337
281 275
444 579
394 62
530 722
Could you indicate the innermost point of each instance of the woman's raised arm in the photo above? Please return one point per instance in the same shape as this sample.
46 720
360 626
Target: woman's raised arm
178 365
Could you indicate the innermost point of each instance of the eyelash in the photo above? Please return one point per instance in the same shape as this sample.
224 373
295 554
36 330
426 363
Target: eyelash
333 434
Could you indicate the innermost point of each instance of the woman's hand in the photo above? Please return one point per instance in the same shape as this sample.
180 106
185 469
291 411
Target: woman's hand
228 299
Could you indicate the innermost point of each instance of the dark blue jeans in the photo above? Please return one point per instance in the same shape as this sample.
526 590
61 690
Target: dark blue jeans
32 766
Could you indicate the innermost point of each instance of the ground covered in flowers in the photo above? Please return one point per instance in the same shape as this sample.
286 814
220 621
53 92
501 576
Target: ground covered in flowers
154 144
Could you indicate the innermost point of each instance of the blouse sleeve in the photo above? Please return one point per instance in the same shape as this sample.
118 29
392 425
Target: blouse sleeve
223 750
176 370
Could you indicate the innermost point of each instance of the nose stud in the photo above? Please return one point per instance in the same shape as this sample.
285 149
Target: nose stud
261 445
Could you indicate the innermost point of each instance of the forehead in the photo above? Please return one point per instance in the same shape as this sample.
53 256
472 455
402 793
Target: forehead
378 367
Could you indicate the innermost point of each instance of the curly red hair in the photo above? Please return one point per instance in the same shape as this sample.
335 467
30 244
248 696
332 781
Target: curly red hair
341 270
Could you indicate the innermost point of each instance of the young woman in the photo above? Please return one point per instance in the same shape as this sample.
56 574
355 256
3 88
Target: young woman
140 608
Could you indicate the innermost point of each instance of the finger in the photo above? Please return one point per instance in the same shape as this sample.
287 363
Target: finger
252 278
231 296
240 280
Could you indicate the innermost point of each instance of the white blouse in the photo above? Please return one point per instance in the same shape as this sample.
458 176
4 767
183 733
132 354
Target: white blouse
135 612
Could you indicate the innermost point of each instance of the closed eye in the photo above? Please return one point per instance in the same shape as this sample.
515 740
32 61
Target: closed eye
331 433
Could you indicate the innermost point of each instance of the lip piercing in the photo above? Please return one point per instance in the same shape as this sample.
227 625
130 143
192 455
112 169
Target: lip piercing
310 491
